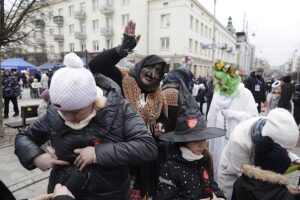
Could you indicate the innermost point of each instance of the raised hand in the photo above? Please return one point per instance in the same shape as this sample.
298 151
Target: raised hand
47 161
129 41
130 31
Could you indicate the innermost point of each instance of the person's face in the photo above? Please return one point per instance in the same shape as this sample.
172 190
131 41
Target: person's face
75 116
150 75
259 74
197 147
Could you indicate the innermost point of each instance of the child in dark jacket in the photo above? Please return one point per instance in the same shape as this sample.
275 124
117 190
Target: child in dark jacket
264 181
187 173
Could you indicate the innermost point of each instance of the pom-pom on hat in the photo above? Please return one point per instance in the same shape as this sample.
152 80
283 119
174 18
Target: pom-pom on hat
281 127
72 87
271 156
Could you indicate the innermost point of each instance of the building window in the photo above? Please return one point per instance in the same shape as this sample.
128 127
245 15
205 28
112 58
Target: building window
71 11
202 29
125 2
51 32
197 25
196 47
95 25
71 47
110 2
61 30
209 33
83 46
51 48
166 3
96 45
109 44
82 27
50 15
165 43
82 7
60 12
200 49
71 28
125 19
165 20
191 22
205 31
191 45
95 5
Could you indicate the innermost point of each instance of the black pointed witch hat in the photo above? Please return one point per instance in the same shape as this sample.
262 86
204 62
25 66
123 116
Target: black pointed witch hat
190 125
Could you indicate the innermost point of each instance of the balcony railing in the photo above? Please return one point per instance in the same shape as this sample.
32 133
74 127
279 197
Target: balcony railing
107 9
54 56
80 35
39 23
59 20
80 15
58 37
107 31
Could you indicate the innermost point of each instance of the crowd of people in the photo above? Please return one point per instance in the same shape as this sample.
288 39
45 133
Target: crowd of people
138 133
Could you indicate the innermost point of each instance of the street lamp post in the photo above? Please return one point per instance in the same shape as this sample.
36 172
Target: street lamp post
214 37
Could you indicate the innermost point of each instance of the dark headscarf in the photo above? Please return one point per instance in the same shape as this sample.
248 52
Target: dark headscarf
182 73
147 61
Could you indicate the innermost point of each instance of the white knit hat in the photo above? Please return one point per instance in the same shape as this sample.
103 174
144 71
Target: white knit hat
282 128
72 87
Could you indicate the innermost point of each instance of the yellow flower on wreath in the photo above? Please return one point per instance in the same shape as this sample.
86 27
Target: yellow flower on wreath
232 71
219 65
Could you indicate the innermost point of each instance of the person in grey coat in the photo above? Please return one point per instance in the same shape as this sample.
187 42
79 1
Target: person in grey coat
95 133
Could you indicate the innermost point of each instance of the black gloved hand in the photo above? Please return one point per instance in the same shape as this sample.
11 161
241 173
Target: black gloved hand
127 46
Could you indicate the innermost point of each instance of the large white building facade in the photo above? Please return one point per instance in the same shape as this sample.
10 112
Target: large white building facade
173 29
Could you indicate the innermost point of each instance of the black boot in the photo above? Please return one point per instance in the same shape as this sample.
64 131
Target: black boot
5 116
16 114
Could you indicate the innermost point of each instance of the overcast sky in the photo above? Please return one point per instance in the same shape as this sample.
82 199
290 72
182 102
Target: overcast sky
276 25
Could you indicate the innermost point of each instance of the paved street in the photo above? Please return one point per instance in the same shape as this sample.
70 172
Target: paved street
27 184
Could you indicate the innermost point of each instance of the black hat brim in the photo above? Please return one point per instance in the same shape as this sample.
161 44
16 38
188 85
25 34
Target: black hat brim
193 135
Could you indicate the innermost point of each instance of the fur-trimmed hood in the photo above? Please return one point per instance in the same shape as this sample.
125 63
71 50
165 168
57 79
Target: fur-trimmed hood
264 175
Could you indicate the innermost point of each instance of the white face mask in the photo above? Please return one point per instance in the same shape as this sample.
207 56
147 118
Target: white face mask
81 124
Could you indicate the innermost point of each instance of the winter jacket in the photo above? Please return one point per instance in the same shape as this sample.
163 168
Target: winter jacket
296 101
286 96
10 85
184 180
201 98
257 88
239 107
258 184
44 81
124 141
238 151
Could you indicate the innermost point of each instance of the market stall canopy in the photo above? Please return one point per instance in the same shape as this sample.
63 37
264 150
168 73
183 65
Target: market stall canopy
18 63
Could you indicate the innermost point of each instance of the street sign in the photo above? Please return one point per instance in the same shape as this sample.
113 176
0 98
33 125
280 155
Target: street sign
208 46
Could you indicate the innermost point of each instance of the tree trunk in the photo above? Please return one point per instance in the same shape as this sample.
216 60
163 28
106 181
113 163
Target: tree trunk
1 95
1 105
